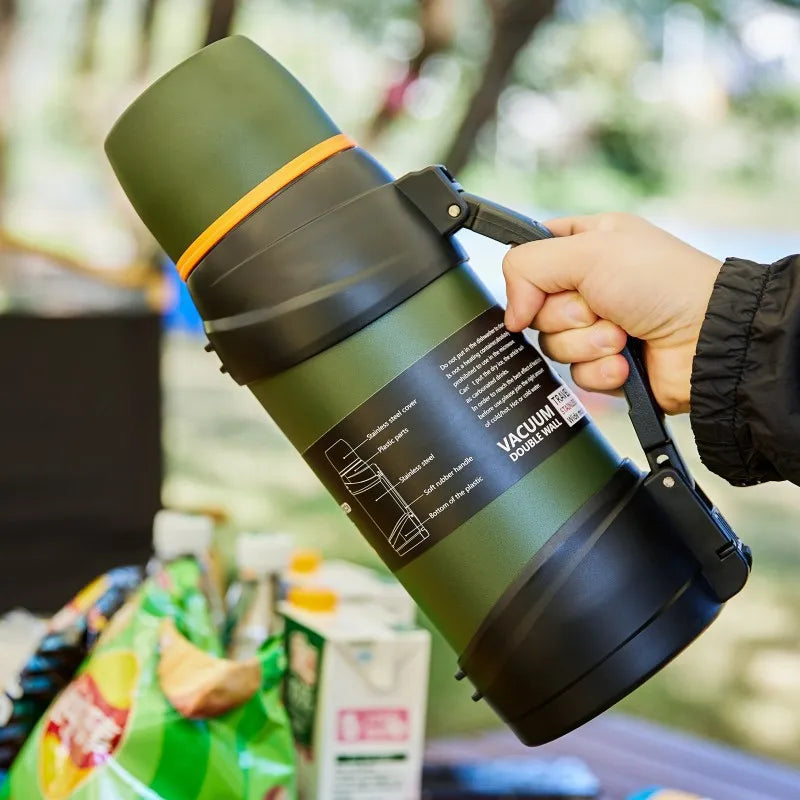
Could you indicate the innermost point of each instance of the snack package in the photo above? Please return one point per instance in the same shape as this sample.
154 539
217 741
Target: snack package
69 636
155 712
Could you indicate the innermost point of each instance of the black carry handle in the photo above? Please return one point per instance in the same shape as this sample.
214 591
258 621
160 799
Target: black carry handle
442 200
510 227
724 561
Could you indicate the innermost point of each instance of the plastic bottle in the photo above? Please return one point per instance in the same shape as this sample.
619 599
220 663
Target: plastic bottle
369 589
178 535
355 585
316 599
305 568
261 558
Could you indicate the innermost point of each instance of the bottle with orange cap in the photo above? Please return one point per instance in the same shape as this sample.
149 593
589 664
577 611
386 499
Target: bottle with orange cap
365 587
304 567
177 535
252 598
355 585
316 599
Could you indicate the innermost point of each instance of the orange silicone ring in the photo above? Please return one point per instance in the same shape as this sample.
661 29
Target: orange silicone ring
258 195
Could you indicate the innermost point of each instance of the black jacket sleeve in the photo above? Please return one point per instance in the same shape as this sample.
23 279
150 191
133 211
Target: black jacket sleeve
745 401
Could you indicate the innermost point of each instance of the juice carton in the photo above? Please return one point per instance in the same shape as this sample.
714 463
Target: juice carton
356 691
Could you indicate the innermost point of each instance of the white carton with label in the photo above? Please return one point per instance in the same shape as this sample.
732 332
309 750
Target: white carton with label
356 692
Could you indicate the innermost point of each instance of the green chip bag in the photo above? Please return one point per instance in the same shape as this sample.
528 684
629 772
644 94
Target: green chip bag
155 713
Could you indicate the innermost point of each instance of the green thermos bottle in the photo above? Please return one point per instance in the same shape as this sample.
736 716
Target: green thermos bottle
561 576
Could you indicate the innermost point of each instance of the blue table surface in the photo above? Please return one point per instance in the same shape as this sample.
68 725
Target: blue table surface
629 754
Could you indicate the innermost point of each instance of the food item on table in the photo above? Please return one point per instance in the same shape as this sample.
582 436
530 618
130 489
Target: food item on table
197 684
155 713
70 635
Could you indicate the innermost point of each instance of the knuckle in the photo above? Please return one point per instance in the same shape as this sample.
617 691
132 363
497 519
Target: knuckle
606 222
616 337
596 241
620 339
540 323
622 218
613 372
613 221
547 319
581 378
510 267
560 348
544 344
582 313
516 260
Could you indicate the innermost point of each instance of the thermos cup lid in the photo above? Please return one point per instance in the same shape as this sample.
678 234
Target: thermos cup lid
206 133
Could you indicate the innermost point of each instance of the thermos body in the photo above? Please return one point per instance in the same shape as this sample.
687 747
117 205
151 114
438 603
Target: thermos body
457 581
553 567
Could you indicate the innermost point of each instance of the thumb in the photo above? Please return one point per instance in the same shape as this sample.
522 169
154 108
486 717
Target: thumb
523 299
536 269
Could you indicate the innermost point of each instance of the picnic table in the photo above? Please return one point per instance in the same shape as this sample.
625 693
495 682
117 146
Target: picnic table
629 754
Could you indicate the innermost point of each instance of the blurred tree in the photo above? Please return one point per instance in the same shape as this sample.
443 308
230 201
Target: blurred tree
8 11
8 16
513 22
146 33
437 22
220 19
91 24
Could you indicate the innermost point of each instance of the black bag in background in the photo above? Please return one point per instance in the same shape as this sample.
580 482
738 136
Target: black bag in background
80 451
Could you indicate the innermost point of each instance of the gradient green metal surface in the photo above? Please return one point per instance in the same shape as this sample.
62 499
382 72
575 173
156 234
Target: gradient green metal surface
206 133
457 581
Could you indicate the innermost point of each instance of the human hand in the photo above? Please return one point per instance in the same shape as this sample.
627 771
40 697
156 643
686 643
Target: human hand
606 276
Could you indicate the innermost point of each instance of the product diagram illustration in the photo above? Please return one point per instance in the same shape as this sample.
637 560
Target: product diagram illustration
378 497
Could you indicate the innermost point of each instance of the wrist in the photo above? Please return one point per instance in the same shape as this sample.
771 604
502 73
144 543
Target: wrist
675 385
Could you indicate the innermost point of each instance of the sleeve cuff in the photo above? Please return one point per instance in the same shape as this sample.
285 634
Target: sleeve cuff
718 369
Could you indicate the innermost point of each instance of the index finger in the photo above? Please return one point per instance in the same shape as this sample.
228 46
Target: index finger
569 226
537 269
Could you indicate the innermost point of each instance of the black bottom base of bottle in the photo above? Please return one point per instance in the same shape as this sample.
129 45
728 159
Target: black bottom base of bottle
611 599
627 668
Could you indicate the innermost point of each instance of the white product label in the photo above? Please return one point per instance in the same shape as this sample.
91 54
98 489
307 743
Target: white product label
568 406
